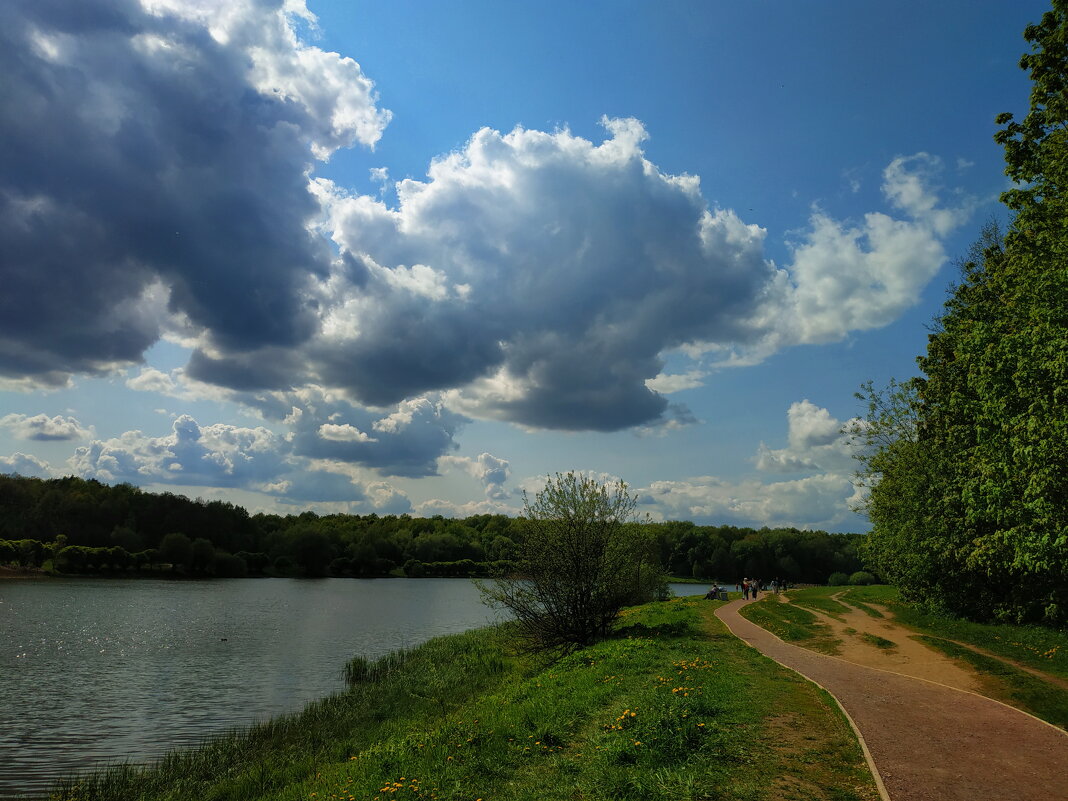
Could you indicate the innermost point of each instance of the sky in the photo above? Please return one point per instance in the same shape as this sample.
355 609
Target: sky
401 256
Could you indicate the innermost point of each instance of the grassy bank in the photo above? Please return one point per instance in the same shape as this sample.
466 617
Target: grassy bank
1036 648
673 707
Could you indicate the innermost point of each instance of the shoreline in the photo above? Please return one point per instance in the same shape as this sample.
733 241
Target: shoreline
23 573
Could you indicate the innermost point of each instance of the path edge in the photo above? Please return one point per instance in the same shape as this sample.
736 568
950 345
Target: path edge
915 633
876 775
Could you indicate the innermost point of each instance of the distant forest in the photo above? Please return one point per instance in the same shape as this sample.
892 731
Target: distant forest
77 526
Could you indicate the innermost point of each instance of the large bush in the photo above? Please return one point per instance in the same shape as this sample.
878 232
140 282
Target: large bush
581 561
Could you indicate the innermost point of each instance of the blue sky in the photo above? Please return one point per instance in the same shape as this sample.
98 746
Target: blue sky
412 256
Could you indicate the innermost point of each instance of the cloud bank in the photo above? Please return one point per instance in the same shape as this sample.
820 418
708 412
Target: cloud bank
155 176
540 278
821 493
159 180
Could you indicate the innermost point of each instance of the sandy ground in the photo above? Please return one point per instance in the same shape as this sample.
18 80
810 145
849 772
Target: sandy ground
926 740
908 658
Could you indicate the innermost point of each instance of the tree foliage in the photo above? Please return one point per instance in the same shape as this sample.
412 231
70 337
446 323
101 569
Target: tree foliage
357 546
968 499
582 560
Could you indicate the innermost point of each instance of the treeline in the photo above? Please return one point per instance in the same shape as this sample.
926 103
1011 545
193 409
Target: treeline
968 462
74 526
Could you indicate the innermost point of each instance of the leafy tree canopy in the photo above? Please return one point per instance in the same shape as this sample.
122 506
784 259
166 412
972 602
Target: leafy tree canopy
969 470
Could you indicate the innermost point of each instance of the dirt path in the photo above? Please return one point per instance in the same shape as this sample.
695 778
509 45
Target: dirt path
908 657
930 742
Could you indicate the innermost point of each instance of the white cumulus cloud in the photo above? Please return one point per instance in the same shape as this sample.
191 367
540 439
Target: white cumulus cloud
343 433
42 428
491 471
25 464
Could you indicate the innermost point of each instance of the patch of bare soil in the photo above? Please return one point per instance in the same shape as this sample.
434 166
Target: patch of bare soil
908 657
927 742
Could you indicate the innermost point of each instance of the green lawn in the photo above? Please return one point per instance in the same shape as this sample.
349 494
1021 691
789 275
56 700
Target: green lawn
790 622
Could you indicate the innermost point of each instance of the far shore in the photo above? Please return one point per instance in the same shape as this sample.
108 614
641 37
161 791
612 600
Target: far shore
22 573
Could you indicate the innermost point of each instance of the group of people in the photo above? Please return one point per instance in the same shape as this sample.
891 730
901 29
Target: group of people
749 587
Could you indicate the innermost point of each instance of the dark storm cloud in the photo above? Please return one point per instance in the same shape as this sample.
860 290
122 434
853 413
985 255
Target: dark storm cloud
266 368
409 345
147 168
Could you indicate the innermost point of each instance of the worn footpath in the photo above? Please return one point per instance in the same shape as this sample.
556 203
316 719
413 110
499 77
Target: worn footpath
928 740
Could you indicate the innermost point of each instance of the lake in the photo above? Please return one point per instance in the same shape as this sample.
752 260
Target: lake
98 670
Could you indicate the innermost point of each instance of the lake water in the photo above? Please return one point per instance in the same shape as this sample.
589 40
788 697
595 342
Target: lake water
93 671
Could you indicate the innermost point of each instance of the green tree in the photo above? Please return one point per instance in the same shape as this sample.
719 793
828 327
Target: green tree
226 565
967 498
581 561
70 559
312 550
911 543
202 554
125 537
177 549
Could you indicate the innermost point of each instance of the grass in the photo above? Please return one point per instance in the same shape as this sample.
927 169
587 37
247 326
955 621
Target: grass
792 623
850 598
673 707
877 641
1010 684
829 606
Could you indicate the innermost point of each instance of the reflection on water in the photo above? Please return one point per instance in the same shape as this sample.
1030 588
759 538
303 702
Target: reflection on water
93 671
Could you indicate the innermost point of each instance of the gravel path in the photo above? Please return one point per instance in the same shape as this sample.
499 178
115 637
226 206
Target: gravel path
929 741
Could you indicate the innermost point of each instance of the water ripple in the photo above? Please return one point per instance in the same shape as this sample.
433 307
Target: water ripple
96 672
